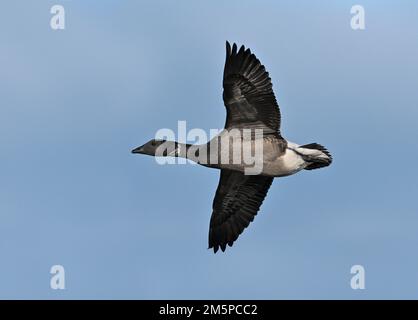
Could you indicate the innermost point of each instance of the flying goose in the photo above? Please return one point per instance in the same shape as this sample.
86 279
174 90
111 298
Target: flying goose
250 105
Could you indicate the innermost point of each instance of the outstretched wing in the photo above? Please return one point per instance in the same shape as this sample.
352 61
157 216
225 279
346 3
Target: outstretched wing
237 200
248 93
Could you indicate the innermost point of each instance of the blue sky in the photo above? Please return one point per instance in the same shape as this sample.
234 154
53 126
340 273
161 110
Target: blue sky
75 102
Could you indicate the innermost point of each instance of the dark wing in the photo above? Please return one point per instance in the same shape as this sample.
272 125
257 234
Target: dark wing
237 200
248 93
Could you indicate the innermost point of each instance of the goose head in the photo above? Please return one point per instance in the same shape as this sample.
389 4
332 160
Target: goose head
152 148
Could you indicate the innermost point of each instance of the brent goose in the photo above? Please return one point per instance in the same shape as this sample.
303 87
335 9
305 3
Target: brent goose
250 105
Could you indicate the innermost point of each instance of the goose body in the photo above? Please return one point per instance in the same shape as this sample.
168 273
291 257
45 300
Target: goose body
251 108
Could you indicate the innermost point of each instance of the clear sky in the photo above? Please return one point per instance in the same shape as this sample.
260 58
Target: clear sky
74 102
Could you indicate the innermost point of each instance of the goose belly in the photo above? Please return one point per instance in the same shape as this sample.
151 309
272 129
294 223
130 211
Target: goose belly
287 164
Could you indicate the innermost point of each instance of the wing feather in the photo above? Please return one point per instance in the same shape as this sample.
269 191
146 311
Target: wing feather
248 92
237 201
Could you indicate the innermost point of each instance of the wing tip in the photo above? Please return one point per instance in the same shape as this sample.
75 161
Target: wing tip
228 48
220 246
233 50
214 247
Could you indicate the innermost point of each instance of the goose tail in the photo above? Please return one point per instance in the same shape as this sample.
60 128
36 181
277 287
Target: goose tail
316 155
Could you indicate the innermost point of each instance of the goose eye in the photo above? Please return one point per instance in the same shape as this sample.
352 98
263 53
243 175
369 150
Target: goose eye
153 142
